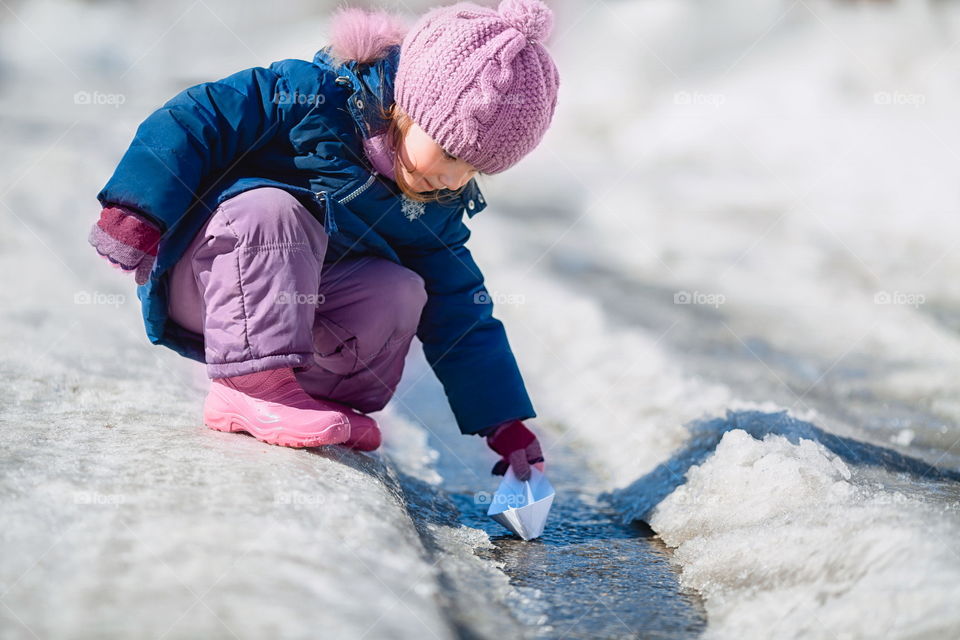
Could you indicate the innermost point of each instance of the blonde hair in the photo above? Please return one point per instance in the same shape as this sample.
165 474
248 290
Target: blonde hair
400 123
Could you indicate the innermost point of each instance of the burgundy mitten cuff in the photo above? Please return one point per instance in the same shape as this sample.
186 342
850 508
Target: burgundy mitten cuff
509 437
127 240
130 228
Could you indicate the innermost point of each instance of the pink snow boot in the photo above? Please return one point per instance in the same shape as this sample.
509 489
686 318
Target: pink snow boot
273 407
364 432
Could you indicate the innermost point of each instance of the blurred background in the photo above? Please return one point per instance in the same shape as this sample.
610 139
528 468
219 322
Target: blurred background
742 206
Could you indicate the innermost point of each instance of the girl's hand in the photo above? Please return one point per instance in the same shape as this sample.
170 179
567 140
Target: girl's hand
127 240
518 447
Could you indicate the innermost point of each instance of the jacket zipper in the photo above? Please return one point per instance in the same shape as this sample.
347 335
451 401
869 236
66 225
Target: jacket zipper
330 224
353 194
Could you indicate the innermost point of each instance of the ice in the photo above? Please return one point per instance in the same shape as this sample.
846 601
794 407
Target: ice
787 538
767 527
122 515
800 198
795 446
814 188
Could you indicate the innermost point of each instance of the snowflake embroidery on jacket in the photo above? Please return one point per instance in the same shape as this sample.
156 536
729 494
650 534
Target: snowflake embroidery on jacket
411 208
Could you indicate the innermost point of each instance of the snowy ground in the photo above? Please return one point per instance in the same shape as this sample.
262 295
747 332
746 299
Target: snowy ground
744 208
788 168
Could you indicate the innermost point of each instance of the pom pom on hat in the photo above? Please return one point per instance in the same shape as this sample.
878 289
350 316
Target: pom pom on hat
532 18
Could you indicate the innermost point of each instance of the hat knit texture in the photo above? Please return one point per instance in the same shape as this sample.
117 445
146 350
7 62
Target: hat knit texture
479 81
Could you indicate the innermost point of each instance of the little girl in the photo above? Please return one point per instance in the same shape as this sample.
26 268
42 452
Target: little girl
295 226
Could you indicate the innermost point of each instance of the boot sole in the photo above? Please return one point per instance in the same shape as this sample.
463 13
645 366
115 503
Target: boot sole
232 423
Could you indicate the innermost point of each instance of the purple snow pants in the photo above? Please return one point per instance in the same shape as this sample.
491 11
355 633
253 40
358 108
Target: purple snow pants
254 284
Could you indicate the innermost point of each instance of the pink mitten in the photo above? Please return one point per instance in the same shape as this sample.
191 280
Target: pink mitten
127 240
518 447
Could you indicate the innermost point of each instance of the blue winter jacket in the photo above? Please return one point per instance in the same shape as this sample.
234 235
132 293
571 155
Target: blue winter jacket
299 126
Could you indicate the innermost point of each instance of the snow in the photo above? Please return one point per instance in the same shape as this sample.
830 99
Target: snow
117 500
817 545
122 515
789 165
793 161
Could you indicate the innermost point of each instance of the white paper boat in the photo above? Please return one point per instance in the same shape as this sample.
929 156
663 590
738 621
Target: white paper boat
521 506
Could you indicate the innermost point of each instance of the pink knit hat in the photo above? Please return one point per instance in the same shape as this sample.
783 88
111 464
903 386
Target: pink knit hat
479 81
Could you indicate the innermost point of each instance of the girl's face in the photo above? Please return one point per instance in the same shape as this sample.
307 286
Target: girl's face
427 167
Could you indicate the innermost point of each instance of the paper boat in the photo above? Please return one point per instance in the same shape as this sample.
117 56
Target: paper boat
521 506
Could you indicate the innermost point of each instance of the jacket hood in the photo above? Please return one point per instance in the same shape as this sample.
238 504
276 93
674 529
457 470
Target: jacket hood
372 84
364 36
